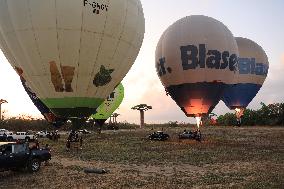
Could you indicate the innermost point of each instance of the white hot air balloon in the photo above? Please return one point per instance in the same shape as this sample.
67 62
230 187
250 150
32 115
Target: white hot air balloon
196 58
253 66
72 53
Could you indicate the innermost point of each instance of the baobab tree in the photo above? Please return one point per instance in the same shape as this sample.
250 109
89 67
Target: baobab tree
142 108
2 101
113 118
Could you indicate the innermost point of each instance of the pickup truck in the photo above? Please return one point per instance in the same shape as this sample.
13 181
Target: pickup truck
21 136
15 156
2 131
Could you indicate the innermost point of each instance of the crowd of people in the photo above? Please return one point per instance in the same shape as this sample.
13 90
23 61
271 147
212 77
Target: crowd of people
74 138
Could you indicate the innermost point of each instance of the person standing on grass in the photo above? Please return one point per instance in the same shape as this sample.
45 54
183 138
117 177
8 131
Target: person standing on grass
81 142
4 137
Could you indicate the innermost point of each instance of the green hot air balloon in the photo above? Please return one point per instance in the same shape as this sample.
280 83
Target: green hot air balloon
110 104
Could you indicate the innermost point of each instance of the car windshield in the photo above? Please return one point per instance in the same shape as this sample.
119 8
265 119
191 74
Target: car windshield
19 148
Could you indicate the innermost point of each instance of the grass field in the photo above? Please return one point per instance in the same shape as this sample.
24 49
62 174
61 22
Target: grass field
228 157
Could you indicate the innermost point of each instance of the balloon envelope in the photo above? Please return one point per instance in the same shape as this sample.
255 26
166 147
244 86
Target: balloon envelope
253 68
106 109
44 110
196 58
72 53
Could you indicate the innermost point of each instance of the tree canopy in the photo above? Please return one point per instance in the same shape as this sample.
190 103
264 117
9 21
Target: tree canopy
272 114
143 107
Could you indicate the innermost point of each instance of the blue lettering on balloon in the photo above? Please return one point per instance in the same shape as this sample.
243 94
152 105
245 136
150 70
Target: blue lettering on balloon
192 57
244 65
161 67
249 66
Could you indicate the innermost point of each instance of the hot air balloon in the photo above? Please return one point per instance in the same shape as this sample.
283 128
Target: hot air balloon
253 68
72 53
196 58
111 103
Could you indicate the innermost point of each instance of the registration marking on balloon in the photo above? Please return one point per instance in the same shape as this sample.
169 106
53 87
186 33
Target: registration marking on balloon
97 7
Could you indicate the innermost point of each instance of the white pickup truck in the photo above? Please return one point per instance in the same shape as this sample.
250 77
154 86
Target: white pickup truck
21 136
2 131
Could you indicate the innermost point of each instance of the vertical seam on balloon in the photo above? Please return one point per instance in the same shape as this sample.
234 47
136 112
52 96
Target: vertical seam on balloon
130 45
140 11
57 34
79 50
18 42
90 81
121 33
36 43
119 40
103 91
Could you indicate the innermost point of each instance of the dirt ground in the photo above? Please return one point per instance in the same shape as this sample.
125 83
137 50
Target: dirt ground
228 157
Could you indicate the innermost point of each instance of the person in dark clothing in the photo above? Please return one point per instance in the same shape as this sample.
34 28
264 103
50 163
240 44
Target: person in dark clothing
81 142
68 145
4 137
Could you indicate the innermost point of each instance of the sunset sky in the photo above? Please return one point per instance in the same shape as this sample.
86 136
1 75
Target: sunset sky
259 20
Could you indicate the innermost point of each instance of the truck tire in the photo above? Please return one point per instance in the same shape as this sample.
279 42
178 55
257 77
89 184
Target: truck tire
27 139
34 165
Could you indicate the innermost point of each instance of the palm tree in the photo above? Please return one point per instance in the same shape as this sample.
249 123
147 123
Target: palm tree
142 108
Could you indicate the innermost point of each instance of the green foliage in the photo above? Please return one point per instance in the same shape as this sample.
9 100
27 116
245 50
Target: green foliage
143 107
272 114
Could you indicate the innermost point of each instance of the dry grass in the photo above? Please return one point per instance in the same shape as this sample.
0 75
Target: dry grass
227 158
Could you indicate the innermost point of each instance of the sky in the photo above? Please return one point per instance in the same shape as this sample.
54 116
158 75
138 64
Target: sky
259 20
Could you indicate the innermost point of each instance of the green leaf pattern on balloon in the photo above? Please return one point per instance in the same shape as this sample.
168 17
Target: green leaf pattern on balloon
103 77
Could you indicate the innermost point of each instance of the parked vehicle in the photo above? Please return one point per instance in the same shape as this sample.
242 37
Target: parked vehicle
21 136
3 138
15 156
2 131
84 131
42 134
159 135
196 135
